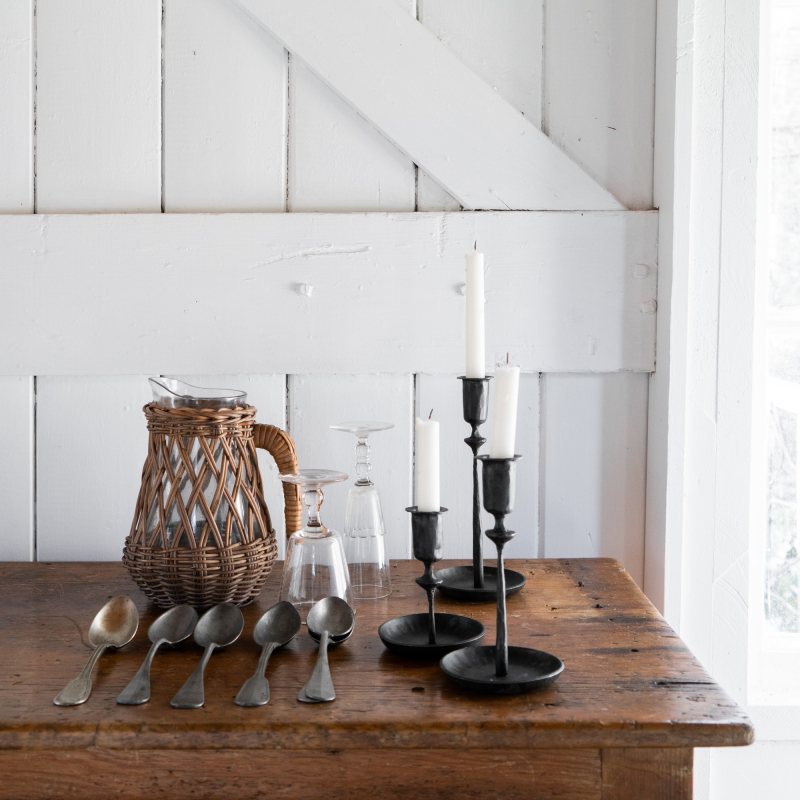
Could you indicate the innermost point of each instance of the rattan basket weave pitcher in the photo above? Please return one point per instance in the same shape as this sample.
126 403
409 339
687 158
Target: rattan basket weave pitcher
202 533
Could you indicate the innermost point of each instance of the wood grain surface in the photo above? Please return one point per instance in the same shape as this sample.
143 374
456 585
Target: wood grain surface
629 680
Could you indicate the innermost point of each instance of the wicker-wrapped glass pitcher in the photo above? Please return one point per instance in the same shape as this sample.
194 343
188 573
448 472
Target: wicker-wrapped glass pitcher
201 532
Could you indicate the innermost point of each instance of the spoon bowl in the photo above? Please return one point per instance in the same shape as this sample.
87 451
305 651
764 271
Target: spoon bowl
279 624
220 626
333 615
114 626
173 626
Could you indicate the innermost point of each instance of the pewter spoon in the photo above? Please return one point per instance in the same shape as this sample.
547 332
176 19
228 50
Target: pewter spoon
218 627
330 621
276 628
114 626
171 627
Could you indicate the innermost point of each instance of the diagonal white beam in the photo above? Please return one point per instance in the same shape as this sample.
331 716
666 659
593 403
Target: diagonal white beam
401 78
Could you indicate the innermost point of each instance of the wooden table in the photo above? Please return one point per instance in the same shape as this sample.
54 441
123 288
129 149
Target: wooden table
620 722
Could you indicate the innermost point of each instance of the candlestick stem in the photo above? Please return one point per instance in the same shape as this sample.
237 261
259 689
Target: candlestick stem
475 398
428 582
477 539
501 644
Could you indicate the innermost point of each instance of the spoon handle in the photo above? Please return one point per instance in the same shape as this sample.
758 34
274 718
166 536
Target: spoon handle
138 690
320 685
255 691
191 694
77 691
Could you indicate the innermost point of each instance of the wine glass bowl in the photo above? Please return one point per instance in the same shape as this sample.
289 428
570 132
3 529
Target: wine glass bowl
315 566
364 529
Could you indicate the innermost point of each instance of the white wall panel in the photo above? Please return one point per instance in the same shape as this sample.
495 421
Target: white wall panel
16 102
225 94
16 469
268 394
599 80
337 160
442 393
91 443
594 446
98 113
500 40
318 401
128 294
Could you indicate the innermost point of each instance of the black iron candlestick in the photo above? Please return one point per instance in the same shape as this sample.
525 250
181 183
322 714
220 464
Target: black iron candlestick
476 583
430 635
501 669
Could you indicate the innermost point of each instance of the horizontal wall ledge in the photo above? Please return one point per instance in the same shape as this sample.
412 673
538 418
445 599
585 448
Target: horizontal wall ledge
292 293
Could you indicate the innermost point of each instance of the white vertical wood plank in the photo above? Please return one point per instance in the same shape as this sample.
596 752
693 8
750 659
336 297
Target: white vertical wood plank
91 442
442 393
225 95
318 401
594 447
268 394
98 140
16 468
599 80
16 102
500 40
337 160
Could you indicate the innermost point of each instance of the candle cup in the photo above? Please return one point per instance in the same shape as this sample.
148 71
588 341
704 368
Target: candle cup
431 635
501 669
476 583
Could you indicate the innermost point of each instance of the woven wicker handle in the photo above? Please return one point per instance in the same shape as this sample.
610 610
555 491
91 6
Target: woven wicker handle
280 446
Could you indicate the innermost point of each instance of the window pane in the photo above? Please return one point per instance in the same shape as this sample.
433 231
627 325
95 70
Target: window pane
782 586
785 113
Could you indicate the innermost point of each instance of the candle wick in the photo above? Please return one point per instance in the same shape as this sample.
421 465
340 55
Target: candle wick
431 414
476 245
506 359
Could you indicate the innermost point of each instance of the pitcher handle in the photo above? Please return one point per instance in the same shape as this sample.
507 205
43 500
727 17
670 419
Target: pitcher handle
280 446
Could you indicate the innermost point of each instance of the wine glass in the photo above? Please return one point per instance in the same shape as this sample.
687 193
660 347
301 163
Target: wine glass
315 565
364 531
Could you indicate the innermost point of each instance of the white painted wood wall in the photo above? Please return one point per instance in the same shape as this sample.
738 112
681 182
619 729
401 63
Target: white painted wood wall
198 110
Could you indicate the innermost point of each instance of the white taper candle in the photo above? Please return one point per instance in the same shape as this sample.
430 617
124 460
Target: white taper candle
476 335
427 465
504 418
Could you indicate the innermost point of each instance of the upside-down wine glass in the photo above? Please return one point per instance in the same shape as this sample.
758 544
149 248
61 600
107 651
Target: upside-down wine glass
364 531
315 566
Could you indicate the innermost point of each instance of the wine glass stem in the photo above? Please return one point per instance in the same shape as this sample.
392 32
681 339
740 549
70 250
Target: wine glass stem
363 465
313 500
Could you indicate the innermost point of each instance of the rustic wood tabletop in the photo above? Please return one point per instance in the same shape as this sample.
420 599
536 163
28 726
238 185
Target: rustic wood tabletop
631 690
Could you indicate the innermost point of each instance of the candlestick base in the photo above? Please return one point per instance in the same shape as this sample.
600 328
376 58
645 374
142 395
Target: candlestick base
475 668
458 583
409 636
431 635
